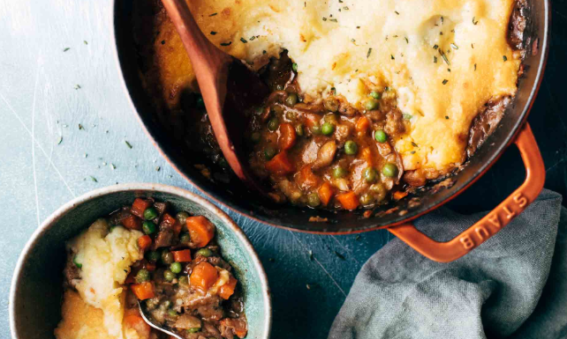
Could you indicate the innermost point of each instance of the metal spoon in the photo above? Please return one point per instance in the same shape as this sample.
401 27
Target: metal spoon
227 87
157 327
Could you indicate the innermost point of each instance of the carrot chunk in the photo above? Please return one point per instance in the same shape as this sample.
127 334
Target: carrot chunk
362 125
182 256
325 193
132 222
204 276
348 200
280 164
201 230
287 136
227 289
144 242
143 290
306 179
139 206
398 195
133 319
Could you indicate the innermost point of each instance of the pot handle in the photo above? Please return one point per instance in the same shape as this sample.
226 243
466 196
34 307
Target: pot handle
494 221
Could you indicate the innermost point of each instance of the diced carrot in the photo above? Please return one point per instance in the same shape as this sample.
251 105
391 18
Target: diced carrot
366 154
133 319
325 193
306 179
227 289
280 164
172 223
132 222
182 256
204 276
362 125
348 200
139 206
287 136
398 195
241 333
201 230
143 290
144 242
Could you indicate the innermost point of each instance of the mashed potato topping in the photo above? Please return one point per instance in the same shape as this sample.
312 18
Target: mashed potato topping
444 58
106 258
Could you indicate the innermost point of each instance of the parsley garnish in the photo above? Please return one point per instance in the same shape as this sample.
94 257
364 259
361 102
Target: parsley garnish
369 52
226 43
243 40
445 81
213 33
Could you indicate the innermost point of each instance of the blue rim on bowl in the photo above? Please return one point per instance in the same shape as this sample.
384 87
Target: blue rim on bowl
37 282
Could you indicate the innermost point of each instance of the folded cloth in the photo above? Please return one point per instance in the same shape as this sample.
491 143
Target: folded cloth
502 289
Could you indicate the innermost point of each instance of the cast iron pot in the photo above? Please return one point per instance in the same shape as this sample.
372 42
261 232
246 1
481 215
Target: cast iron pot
397 216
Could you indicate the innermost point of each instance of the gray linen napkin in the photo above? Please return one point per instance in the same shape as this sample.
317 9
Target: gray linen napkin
498 290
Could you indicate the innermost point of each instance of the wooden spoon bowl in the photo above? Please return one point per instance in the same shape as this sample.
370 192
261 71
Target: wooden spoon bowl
228 88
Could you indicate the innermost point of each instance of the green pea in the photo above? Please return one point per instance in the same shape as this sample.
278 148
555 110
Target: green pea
290 115
294 67
371 105
150 213
269 152
273 124
316 129
142 275
200 102
380 136
185 238
299 130
204 252
351 147
291 99
255 137
390 170
327 128
370 175
148 227
339 172
182 216
78 264
172 313
313 200
194 330
176 267
183 280
367 199
167 257
153 256
168 275
375 95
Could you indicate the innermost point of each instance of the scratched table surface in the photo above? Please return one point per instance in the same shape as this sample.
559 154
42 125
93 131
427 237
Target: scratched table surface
65 119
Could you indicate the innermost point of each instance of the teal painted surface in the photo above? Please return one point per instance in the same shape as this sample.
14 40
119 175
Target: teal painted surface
40 103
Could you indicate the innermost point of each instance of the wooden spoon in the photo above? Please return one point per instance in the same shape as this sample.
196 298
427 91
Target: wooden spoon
228 88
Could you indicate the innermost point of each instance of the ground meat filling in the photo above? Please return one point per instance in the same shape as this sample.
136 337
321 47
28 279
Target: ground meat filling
325 152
